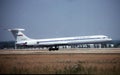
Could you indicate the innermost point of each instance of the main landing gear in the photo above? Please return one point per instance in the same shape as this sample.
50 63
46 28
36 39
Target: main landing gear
53 48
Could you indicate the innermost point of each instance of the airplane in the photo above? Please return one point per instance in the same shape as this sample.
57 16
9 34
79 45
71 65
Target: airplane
54 43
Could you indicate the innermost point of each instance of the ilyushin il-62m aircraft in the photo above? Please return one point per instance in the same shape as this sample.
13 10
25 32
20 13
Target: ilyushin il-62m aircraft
54 43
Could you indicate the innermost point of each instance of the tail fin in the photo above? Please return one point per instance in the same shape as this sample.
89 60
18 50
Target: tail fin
19 36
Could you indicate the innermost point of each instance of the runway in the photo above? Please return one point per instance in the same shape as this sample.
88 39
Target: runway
62 51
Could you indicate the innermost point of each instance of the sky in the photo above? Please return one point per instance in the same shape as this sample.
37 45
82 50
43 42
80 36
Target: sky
43 19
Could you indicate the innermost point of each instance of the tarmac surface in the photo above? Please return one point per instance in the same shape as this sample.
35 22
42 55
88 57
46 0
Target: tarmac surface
61 51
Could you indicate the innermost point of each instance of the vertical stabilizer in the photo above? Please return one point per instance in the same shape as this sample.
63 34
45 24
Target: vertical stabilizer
18 35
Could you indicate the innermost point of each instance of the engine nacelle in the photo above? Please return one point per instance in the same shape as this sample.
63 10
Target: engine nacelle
27 43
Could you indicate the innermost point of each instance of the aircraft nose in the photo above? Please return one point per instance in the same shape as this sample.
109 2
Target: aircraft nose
109 39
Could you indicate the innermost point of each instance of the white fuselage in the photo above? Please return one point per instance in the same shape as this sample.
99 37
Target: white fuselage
66 40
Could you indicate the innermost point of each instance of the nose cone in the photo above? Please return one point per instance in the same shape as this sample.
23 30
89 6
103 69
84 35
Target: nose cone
109 39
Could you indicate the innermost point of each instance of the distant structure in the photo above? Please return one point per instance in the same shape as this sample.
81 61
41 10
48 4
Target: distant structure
7 44
11 45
